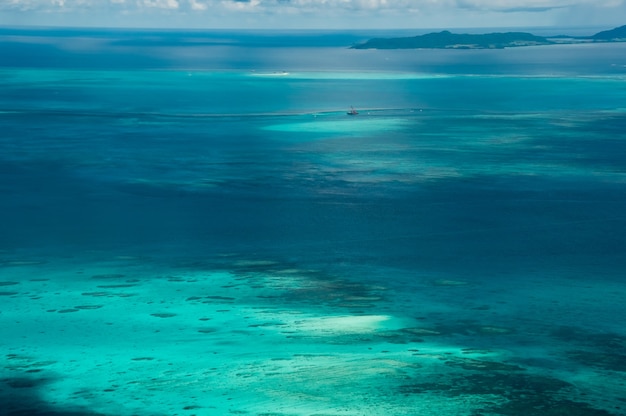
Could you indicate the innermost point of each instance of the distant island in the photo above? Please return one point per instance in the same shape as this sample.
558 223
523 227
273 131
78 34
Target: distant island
448 40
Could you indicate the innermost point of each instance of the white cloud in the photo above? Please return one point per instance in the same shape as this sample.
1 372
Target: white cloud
161 4
403 4
529 5
241 5
197 5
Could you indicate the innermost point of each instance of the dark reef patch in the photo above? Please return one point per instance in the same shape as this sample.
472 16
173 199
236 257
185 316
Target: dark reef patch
600 340
114 276
22 396
68 310
519 393
471 328
121 285
163 315
89 307
595 349
291 284
603 360
482 365
107 294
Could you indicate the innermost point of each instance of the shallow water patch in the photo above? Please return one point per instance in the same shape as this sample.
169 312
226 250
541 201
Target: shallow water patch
334 126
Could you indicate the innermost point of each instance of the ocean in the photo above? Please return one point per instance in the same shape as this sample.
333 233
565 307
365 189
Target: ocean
192 224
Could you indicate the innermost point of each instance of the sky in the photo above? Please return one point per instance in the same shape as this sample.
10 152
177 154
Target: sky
314 14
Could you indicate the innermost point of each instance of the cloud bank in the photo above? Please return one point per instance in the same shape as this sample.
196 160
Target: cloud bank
302 5
352 13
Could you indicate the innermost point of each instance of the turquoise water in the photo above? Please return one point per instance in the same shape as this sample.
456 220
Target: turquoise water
192 225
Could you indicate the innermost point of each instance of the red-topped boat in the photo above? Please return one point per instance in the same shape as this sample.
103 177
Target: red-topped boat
352 112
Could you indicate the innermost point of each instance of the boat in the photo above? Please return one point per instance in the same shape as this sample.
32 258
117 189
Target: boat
352 112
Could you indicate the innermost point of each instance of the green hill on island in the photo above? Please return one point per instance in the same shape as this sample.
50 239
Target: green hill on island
615 35
449 40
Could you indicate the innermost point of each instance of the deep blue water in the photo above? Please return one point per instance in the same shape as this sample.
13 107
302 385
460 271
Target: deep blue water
502 169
